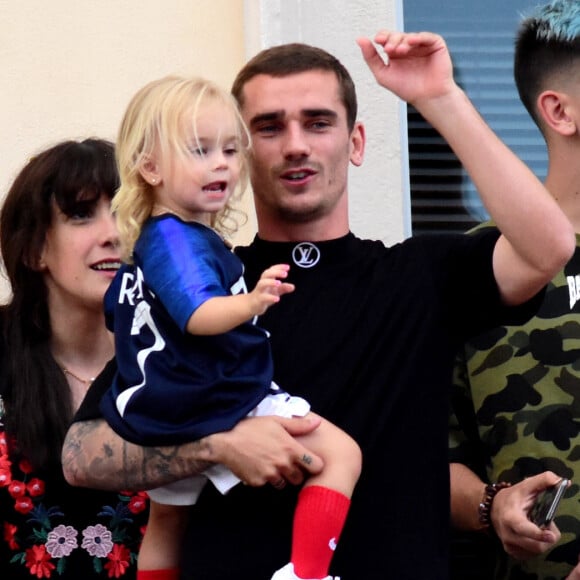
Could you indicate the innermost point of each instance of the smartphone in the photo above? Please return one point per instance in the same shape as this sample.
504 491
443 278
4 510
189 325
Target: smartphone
544 510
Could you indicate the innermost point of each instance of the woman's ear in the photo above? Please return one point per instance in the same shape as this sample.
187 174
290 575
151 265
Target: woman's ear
149 170
557 112
37 263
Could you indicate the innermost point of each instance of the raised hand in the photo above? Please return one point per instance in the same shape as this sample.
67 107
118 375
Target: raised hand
417 65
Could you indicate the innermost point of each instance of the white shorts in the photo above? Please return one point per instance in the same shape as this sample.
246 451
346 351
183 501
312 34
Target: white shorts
186 491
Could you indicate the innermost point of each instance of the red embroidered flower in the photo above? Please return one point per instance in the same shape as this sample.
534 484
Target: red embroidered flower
17 488
25 466
118 561
138 503
10 536
39 562
5 473
3 443
23 505
35 487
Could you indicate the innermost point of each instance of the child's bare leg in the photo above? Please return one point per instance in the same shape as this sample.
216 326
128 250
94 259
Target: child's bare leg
160 551
341 455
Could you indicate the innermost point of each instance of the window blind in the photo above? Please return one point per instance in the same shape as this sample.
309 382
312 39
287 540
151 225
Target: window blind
480 37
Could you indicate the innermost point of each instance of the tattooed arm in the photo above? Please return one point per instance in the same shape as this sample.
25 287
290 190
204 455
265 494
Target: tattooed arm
258 450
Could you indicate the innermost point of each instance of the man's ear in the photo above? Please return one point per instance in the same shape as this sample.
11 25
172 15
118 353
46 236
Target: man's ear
357 144
557 112
149 170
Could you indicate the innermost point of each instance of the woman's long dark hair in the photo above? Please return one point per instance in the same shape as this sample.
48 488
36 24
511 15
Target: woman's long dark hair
71 176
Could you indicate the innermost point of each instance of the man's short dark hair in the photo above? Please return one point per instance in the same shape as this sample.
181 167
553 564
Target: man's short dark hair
294 58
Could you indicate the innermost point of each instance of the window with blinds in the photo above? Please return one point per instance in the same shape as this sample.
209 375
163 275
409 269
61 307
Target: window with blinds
480 37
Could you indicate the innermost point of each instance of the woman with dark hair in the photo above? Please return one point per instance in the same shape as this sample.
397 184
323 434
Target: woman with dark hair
60 250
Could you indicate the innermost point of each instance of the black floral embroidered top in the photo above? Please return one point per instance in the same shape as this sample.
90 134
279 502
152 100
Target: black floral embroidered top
49 529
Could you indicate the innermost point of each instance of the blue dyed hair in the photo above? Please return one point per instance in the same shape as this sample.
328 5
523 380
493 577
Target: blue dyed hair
547 50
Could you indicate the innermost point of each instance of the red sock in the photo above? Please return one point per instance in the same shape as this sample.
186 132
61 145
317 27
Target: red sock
318 522
172 574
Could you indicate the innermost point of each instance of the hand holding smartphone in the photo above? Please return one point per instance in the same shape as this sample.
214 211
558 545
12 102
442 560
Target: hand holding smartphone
544 510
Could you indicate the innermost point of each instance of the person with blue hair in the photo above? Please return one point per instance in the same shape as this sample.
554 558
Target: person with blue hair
515 422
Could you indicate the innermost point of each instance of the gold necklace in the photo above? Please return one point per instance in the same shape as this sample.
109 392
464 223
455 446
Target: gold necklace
87 382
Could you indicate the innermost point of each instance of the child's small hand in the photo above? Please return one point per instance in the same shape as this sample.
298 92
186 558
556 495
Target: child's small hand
270 287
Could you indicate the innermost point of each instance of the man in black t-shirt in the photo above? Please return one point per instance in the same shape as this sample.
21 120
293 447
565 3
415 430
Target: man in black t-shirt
370 333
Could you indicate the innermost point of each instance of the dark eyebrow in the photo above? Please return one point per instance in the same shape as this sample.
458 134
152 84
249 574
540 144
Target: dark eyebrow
312 113
277 115
273 116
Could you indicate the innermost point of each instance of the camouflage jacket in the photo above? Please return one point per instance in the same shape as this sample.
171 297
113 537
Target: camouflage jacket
516 412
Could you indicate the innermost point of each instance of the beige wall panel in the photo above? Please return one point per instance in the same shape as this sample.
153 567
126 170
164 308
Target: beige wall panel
70 66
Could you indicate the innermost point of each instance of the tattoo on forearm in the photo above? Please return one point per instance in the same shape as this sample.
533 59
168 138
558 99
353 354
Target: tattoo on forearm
112 463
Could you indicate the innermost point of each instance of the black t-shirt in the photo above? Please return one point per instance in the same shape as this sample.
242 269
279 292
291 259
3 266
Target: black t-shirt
369 338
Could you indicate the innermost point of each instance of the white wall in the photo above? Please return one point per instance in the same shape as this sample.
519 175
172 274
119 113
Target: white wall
69 67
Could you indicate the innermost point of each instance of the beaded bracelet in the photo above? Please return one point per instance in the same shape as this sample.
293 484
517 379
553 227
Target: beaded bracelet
488 496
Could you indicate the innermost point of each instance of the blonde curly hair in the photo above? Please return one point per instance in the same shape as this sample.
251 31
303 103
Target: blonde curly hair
160 117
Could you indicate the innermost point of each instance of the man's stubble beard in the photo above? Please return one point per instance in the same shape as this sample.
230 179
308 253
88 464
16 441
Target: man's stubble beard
301 216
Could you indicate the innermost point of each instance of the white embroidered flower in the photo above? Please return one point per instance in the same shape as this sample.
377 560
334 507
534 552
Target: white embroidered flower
97 541
61 541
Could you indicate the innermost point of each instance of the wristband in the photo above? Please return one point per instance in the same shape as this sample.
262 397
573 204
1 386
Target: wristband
488 496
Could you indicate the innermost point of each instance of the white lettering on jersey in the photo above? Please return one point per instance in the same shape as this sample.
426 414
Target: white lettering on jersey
141 319
239 287
131 287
